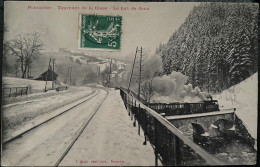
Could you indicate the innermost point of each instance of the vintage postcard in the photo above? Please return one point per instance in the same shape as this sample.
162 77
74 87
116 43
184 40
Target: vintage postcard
129 84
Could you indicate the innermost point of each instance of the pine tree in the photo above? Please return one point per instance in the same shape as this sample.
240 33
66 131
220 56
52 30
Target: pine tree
216 46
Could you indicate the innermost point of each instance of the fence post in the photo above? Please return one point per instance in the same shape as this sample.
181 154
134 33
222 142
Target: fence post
136 114
124 94
177 152
139 120
155 142
144 143
21 91
234 119
27 90
10 92
145 128
127 104
156 157
131 110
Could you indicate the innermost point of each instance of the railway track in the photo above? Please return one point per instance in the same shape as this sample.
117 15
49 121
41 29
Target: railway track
52 118
61 153
80 132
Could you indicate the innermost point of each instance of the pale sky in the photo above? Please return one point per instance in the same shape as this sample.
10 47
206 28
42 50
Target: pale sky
59 28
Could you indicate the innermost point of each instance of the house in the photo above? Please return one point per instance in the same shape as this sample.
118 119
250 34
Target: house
49 74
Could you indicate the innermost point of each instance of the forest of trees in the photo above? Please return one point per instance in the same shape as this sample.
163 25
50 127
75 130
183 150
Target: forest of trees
216 46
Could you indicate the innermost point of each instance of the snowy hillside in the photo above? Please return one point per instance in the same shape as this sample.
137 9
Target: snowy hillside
35 85
118 68
20 82
243 97
101 62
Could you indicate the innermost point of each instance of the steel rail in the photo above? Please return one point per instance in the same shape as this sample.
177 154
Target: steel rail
80 132
36 126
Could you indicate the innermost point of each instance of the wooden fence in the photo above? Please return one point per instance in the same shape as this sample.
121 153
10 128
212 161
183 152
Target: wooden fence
15 91
169 144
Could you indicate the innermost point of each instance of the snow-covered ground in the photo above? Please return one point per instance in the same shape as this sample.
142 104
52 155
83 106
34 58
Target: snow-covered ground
17 114
20 82
35 91
45 145
243 97
25 125
32 97
110 139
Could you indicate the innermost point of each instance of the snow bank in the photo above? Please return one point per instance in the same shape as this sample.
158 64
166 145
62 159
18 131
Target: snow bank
34 85
36 89
25 125
243 97
27 110
16 82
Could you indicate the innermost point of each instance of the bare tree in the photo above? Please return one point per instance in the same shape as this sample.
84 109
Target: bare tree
26 48
5 66
147 89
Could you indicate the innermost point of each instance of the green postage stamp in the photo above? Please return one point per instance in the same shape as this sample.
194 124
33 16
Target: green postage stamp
100 32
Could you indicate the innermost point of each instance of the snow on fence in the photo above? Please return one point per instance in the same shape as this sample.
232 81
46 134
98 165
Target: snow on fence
15 91
169 144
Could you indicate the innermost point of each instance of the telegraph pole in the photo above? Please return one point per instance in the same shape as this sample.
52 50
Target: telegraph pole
128 89
67 75
47 75
140 71
53 61
98 73
70 75
109 72
140 74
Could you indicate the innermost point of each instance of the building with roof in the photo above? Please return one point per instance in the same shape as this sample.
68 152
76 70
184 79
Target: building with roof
49 75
